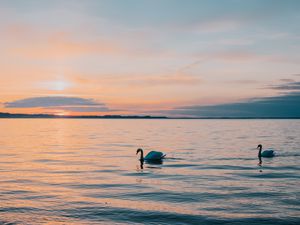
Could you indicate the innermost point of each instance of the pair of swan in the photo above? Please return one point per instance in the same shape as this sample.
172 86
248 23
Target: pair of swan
158 156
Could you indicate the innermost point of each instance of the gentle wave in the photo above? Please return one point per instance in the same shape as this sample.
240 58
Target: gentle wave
77 172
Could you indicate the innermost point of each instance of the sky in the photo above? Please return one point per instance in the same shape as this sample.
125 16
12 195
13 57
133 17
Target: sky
150 57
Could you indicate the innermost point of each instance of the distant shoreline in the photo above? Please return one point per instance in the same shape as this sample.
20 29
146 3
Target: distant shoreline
50 116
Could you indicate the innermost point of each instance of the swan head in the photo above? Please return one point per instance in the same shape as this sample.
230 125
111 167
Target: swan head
139 150
259 146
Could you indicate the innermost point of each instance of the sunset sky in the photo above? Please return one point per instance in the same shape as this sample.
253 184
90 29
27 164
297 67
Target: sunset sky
154 57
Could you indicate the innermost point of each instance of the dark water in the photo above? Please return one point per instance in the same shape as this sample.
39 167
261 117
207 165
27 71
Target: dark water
63 171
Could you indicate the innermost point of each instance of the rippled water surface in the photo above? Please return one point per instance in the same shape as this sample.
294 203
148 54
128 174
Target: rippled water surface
64 171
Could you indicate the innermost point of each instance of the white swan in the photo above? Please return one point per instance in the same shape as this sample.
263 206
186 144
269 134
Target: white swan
151 156
266 153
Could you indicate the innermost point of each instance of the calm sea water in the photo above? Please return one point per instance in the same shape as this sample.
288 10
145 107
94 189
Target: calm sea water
65 171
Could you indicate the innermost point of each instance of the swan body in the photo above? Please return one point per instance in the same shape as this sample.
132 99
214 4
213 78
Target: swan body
151 156
266 153
154 155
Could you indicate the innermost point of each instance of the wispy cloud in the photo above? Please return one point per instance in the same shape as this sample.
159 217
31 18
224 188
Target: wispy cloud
286 80
237 56
83 109
164 80
278 106
216 26
286 104
51 102
56 104
144 81
291 86
61 45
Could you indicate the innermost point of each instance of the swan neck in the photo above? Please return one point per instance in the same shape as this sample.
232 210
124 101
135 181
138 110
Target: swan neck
142 155
259 152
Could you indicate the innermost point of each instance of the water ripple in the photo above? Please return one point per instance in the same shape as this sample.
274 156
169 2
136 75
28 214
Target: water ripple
87 172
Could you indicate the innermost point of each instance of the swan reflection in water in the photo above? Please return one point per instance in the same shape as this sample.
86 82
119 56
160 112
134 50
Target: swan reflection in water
259 161
151 164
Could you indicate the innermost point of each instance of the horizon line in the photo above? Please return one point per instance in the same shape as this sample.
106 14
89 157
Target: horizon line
53 116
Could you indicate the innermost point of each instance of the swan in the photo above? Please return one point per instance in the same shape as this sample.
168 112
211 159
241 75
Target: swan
151 156
266 153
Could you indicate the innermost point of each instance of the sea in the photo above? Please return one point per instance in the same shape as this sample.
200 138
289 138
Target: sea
86 171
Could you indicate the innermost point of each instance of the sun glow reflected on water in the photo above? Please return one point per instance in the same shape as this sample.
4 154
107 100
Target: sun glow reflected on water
86 171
